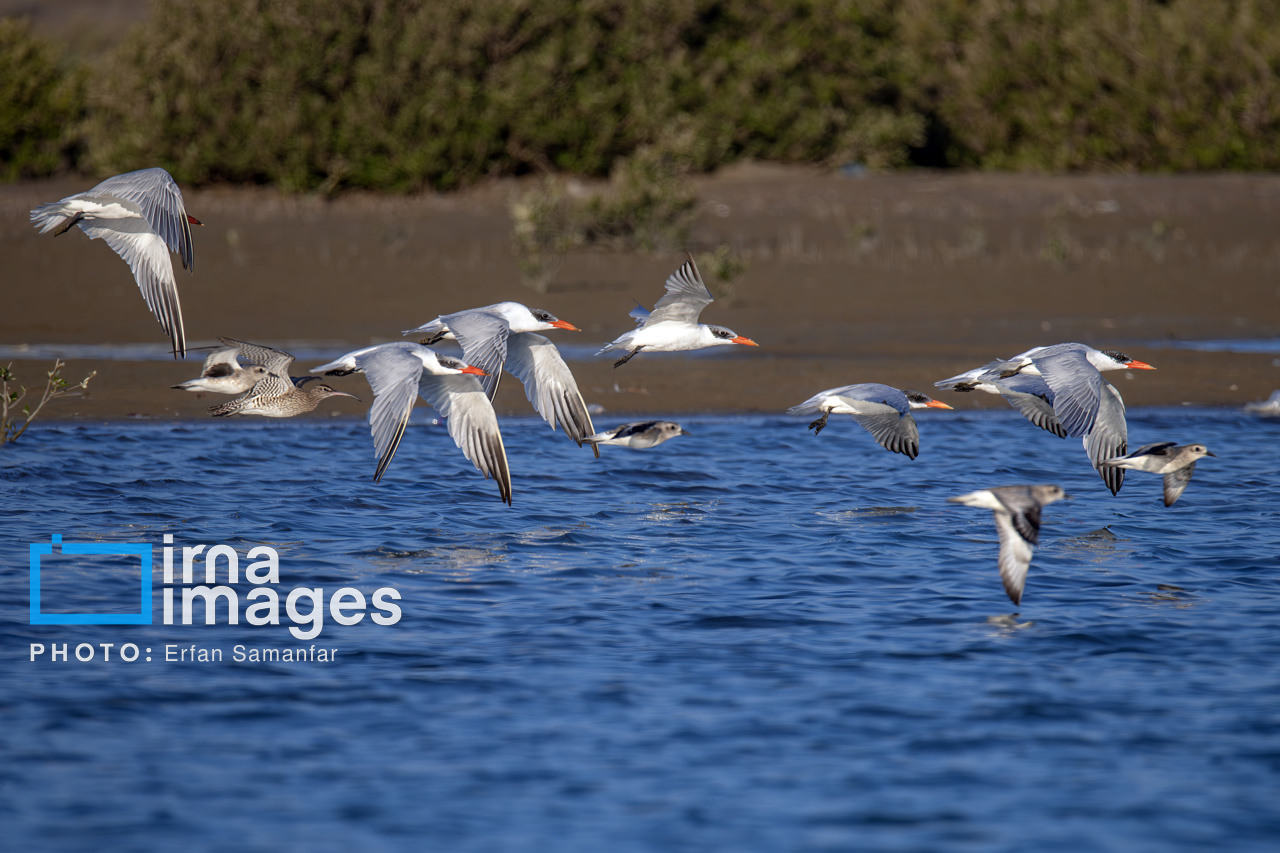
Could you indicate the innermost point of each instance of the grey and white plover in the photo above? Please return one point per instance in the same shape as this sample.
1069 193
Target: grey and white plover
639 435
1017 513
223 374
881 410
673 324
142 217
1176 462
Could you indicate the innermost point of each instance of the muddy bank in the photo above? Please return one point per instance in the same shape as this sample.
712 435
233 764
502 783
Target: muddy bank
902 279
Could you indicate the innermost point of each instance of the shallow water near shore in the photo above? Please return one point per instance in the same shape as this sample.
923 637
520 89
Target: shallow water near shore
747 638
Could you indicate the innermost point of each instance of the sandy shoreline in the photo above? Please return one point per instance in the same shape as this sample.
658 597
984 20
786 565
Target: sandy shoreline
902 279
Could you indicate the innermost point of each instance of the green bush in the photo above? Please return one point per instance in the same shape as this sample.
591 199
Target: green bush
333 93
41 104
319 95
1098 84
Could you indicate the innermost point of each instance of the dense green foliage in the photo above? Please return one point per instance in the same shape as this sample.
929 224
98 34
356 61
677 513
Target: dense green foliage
41 105
325 94
1082 84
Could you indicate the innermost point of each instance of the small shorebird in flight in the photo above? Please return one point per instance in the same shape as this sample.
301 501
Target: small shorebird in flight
275 394
222 373
1017 513
1176 463
639 435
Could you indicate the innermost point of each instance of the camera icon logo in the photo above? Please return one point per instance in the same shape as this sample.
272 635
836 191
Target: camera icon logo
138 549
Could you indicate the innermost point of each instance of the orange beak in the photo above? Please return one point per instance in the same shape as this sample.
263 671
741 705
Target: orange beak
1139 365
193 220
561 324
474 370
741 340
934 404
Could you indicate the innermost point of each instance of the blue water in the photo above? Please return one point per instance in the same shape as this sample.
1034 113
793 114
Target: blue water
745 639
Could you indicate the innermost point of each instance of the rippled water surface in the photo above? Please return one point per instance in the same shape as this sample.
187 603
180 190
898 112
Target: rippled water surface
748 638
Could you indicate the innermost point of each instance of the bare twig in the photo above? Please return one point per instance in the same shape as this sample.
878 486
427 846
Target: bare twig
55 386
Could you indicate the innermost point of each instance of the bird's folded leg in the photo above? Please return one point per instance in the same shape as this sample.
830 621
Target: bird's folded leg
627 357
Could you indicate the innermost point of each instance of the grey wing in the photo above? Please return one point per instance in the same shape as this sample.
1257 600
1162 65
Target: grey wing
628 430
160 200
1175 483
274 360
264 390
148 259
549 384
892 431
472 424
1160 449
872 392
1109 437
685 298
966 380
393 377
1076 385
483 338
1023 511
1033 398
1015 555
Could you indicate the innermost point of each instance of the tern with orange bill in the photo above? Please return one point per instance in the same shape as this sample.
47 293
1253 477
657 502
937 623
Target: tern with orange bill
398 373
1060 388
1071 371
505 335
881 410
673 324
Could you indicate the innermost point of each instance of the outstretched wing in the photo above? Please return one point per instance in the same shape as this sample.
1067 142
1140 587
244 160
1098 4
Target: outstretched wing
393 377
549 384
685 298
274 360
483 337
160 202
1175 483
1109 437
148 260
1015 551
472 424
893 432
1033 398
1076 384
